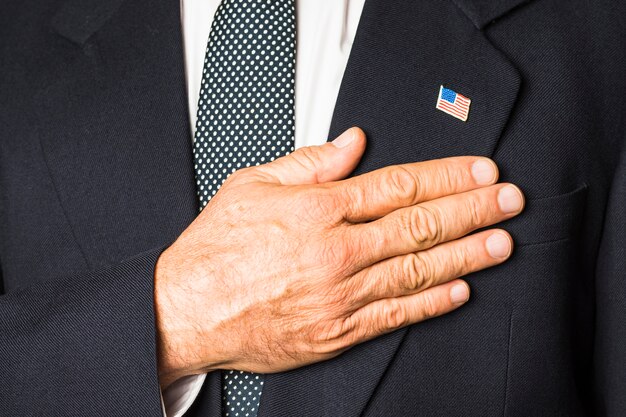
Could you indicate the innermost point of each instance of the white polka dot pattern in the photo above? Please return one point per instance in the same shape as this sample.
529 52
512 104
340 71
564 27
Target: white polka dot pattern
241 393
245 118
246 106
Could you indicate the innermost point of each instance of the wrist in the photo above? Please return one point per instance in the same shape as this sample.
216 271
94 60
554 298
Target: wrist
179 340
170 365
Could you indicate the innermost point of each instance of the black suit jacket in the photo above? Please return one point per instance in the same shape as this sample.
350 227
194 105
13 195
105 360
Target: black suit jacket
96 178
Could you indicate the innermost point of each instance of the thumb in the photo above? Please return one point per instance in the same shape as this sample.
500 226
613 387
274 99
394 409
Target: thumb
316 164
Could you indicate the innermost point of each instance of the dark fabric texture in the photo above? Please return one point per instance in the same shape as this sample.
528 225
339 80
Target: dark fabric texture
96 168
68 345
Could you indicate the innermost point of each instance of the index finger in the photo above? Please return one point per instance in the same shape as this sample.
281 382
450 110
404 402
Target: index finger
378 193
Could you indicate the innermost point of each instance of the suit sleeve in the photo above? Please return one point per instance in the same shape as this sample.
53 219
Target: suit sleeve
83 345
610 338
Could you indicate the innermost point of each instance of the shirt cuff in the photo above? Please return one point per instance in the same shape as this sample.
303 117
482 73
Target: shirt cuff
179 396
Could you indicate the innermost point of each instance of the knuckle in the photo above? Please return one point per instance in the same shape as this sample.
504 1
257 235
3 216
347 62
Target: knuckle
429 306
318 203
476 210
308 159
393 314
417 272
425 225
325 335
337 254
331 333
463 264
354 197
451 179
401 184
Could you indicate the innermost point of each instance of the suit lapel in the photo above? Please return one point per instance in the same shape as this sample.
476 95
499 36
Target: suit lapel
483 12
77 20
403 51
114 125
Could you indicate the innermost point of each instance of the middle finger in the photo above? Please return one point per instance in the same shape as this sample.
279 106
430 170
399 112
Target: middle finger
425 225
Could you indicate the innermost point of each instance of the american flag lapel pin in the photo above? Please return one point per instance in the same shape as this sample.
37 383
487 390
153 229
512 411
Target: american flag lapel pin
453 103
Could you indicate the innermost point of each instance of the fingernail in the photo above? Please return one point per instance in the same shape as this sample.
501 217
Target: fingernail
459 294
510 199
498 245
345 139
484 172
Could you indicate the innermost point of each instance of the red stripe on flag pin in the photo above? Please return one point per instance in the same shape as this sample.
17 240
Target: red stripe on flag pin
453 103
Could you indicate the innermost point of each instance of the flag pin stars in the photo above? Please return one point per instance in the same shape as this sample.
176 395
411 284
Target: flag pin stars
453 103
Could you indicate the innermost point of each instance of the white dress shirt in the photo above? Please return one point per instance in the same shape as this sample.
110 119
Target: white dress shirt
325 32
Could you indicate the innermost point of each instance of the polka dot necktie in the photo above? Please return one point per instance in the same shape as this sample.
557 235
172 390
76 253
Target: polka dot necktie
245 118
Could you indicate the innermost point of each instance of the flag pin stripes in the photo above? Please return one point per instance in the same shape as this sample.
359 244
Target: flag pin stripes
453 103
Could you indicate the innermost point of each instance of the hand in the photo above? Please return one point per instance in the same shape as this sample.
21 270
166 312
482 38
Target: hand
288 265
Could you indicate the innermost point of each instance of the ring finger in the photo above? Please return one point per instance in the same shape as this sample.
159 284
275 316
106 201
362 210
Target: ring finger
416 272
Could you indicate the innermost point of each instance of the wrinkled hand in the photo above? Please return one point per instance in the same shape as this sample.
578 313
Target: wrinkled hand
289 264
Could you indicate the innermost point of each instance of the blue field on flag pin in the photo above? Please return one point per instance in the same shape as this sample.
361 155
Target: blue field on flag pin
453 103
